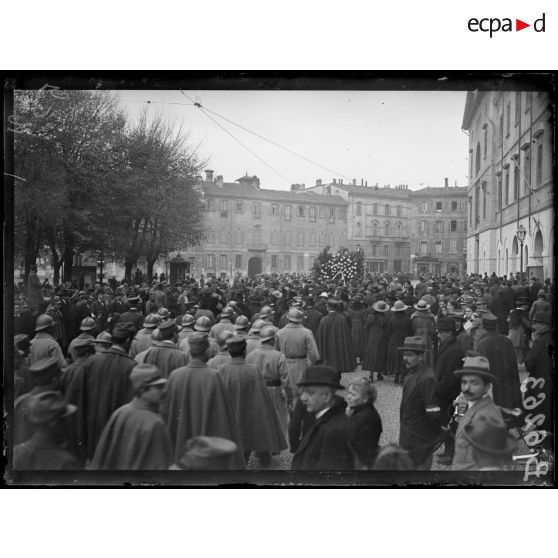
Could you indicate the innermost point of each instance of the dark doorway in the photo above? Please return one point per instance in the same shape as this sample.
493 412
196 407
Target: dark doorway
254 266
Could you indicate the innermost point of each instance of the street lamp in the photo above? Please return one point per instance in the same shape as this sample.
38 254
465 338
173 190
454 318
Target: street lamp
521 232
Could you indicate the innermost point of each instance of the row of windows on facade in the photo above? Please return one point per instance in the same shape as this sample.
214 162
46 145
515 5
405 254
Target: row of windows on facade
286 237
439 246
209 261
426 227
301 210
506 192
433 205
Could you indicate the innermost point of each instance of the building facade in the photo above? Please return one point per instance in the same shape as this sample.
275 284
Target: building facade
378 221
251 230
510 187
438 229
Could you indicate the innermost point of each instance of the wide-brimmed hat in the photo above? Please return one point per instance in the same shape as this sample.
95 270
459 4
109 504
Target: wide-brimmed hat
104 338
167 324
87 324
145 375
236 342
416 344
48 406
265 312
241 323
489 435
380 306
421 305
268 332
44 321
151 320
295 315
257 325
203 323
476 365
226 312
399 306
320 375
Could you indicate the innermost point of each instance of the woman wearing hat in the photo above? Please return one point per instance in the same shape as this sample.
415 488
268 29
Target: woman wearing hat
399 327
520 328
375 335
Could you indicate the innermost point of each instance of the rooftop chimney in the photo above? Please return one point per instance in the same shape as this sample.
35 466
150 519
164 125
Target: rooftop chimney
297 187
318 181
209 176
446 182
366 182
340 181
335 181
456 183
219 181
354 181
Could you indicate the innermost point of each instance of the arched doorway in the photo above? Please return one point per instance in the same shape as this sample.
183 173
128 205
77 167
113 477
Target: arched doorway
514 255
538 246
254 266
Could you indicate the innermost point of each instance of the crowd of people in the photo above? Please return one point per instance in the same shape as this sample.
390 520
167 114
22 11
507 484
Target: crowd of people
206 374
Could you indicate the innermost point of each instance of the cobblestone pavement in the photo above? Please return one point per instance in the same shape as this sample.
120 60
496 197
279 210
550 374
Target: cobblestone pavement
387 404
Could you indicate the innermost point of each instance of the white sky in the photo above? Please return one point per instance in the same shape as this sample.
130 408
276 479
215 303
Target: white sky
389 137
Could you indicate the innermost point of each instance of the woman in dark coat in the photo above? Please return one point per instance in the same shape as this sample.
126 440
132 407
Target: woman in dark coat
399 326
375 340
365 421
357 313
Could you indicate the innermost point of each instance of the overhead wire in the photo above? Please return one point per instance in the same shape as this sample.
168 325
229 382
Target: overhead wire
200 106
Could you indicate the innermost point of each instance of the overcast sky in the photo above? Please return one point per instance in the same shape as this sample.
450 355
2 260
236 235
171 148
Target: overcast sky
389 137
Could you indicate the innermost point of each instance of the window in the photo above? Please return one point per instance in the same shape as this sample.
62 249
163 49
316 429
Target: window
501 128
477 160
397 251
386 251
438 247
274 262
398 211
257 234
275 209
517 107
484 200
322 240
470 210
526 170
461 206
301 212
424 206
239 207
288 214
300 263
223 205
454 206
286 262
256 210
461 226
238 237
238 261
398 230
485 142
274 237
332 215
438 206
287 238
210 260
374 209
539 162
506 185
358 229
359 208
223 236
438 226
453 246
312 214
499 186
342 214
515 181
210 204
312 238
321 212
388 209
470 164
423 228
508 118
223 261
424 247
211 236
300 238
528 95
453 226
386 229
374 250
374 229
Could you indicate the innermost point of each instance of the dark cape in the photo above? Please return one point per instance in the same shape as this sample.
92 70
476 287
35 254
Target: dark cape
98 392
449 358
399 327
257 419
43 453
367 427
135 438
375 343
335 344
499 351
198 404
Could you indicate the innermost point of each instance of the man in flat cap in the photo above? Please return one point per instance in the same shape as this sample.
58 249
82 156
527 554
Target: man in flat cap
420 413
499 351
476 381
259 425
198 403
328 444
165 354
334 340
46 449
105 386
135 437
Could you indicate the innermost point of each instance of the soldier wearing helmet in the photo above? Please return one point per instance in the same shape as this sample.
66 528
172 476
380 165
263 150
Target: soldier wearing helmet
253 339
266 314
223 356
144 339
43 345
225 322
202 325
187 324
241 326
88 327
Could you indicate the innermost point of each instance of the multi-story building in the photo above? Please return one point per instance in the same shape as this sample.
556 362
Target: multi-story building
251 230
511 191
438 227
378 221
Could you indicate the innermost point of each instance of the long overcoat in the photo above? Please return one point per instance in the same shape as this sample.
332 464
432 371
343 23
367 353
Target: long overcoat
399 326
449 358
375 342
335 344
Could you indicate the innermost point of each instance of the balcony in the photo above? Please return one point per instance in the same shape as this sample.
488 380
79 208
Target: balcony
257 246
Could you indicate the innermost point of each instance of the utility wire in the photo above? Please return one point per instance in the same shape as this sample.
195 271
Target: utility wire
245 146
200 106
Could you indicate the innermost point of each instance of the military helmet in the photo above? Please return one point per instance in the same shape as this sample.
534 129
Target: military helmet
87 324
203 323
44 321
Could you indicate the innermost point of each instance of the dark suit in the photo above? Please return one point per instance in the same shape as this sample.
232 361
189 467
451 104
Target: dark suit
328 445
449 359
367 428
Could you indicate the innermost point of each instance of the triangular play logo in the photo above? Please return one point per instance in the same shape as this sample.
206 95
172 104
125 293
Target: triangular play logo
519 25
